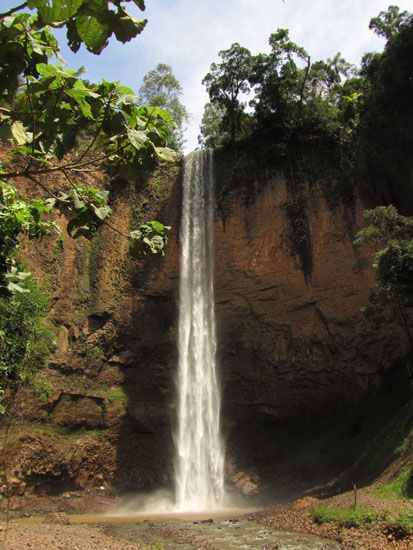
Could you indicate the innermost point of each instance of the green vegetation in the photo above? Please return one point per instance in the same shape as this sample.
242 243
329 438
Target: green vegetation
359 517
25 341
398 527
160 88
401 487
66 433
212 132
136 395
296 208
328 122
393 263
404 521
390 299
295 99
55 122
157 545
116 395
58 122
225 82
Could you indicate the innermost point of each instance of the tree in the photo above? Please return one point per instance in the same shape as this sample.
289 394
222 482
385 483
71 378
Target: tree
46 112
388 23
160 88
212 134
279 72
53 121
391 299
226 81
385 128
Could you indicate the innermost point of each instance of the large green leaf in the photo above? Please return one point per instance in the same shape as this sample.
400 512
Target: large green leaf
20 135
93 32
124 25
164 153
103 212
79 93
59 11
138 138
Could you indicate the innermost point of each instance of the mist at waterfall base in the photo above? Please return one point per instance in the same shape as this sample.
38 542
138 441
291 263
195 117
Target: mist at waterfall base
199 447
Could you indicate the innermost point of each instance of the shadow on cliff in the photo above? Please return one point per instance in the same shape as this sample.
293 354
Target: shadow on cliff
145 444
323 455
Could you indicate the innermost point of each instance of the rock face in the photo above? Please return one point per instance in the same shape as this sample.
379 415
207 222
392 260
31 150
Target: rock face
290 347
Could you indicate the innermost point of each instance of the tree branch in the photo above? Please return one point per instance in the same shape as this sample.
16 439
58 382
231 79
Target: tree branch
97 133
115 229
69 166
13 10
40 184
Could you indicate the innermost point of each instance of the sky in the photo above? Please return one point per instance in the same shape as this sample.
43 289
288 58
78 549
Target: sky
188 34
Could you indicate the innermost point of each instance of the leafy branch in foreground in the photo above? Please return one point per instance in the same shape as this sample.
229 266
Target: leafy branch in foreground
58 122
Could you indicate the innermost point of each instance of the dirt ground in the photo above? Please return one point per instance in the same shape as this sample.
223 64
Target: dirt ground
61 537
56 534
371 538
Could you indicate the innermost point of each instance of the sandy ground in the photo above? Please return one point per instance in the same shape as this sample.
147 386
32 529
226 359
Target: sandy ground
61 537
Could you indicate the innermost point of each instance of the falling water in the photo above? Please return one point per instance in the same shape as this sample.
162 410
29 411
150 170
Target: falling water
199 467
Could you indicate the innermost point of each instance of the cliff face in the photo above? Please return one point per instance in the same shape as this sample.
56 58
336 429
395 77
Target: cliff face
302 343
291 348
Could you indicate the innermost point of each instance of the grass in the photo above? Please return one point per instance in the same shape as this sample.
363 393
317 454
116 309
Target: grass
401 487
136 395
399 526
404 521
116 395
344 517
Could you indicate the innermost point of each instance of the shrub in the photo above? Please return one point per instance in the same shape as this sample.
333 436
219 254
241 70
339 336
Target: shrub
360 517
25 340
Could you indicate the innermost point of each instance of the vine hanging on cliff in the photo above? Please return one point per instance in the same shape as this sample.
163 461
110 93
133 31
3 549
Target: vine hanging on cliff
296 208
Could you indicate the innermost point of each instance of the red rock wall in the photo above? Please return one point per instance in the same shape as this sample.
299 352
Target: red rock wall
288 347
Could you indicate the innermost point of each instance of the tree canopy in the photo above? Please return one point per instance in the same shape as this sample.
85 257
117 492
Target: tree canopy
284 96
160 88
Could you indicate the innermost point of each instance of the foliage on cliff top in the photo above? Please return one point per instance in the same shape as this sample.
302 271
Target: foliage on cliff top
161 88
275 101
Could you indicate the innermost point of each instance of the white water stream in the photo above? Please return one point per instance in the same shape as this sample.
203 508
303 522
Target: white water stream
199 465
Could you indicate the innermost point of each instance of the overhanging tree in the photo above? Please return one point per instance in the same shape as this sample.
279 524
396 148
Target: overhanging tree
57 122
53 121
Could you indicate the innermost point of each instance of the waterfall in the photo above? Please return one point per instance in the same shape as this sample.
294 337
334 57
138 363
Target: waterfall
199 465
